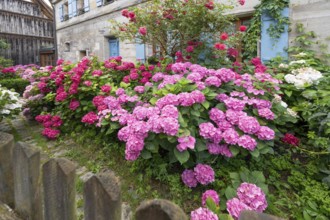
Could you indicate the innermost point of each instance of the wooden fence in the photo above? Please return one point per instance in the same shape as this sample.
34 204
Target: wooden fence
48 191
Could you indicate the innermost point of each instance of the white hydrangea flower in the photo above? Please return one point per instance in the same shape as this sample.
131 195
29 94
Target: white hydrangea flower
277 98
284 66
299 84
290 78
284 104
291 112
297 62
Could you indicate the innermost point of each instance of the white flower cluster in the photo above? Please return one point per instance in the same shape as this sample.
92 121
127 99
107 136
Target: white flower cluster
9 103
303 77
297 62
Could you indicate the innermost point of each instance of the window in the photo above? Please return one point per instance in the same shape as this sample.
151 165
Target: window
113 46
86 5
67 47
108 1
63 12
72 6
140 48
82 54
98 3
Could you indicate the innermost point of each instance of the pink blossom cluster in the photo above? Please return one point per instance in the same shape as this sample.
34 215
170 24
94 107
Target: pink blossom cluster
202 174
250 197
203 214
212 195
50 123
90 118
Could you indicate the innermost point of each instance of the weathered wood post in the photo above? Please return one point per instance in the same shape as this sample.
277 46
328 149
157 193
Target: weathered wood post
6 169
59 178
159 209
27 182
102 197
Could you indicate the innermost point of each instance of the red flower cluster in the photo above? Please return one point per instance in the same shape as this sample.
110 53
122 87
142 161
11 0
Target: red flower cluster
129 14
89 118
220 46
210 5
291 139
259 67
50 124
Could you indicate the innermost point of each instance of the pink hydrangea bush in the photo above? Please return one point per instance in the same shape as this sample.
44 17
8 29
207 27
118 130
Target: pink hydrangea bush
185 109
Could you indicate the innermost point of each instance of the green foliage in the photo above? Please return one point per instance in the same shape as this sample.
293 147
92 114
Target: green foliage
4 62
17 84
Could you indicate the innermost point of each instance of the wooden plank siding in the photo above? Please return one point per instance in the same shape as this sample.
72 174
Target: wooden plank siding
27 29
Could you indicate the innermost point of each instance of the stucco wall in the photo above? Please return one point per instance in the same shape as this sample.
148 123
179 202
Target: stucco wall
314 15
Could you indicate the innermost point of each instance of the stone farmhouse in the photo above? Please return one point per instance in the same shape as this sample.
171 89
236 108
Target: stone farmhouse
83 27
29 29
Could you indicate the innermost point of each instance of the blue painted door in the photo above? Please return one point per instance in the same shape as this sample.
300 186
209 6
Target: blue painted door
270 47
114 47
140 51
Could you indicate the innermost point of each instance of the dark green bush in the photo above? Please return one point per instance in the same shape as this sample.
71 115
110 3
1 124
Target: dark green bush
17 84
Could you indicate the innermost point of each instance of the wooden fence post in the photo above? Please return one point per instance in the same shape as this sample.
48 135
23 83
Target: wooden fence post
102 197
159 209
59 177
27 182
6 169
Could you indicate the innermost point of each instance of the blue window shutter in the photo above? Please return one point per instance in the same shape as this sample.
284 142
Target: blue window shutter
140 51
70 8
60 10
114 47
74 8
98 3
86 5
270 48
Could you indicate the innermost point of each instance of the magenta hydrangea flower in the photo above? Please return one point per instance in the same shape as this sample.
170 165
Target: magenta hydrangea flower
210 194
233 116
186 99
170 125
216 115
235 207
266 113
185 143
195 77
226 75
207 130
248 124
189 179
120 91
106 88
61 97
198 96
221 97
203 214
74 104
247 142
230 136
213 81
265 133
50 133
219 149
234 104
139 89
170 111
89 118
224 125
252 196
204 174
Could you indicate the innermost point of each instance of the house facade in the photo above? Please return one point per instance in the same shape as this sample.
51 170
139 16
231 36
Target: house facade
29 29
83 27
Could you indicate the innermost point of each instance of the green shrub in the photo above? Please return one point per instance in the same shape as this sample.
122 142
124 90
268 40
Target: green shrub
17 84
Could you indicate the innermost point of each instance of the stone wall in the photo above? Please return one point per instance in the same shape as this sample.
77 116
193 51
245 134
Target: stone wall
90 32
